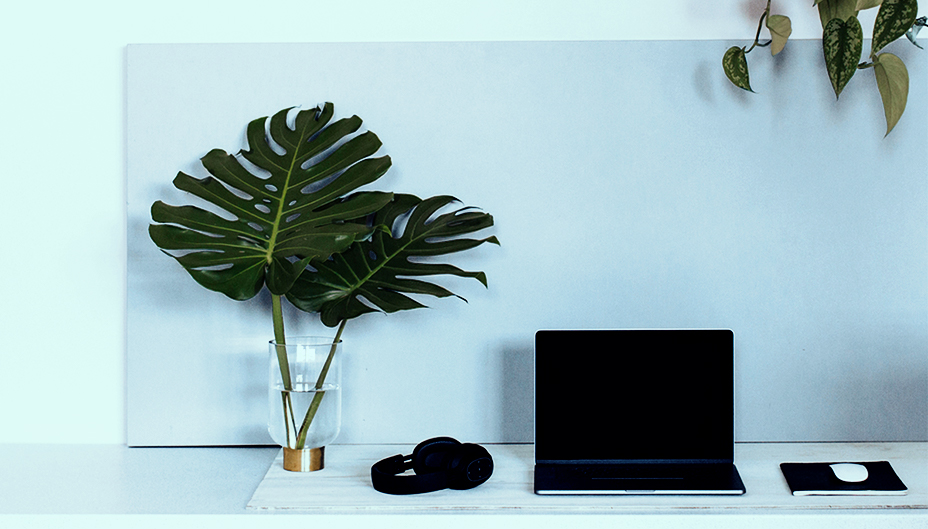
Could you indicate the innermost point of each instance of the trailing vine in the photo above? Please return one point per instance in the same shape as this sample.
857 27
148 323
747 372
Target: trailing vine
842 44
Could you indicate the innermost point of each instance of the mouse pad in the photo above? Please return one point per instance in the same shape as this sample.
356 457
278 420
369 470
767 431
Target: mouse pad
818 479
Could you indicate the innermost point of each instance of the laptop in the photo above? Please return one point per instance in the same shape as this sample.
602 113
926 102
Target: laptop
635 412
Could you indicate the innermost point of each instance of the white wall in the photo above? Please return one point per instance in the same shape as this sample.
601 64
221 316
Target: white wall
62 276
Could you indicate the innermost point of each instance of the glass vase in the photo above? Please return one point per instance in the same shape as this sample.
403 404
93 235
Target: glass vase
304 399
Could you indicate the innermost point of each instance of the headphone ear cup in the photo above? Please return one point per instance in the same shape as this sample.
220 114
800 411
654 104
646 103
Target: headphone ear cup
433 454
468 466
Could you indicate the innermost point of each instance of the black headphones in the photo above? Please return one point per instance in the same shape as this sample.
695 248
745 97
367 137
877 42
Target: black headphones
439 463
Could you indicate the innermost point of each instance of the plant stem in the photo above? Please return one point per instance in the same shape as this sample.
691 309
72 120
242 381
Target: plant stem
317 397
280 341
760 25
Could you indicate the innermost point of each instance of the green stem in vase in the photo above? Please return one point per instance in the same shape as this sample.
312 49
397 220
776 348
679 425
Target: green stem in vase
280 346
317 397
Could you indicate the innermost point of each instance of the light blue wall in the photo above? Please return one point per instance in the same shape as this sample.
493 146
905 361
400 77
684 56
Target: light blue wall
631 186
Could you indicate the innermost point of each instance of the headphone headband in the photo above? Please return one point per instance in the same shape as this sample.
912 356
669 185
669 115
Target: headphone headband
439 463
385 479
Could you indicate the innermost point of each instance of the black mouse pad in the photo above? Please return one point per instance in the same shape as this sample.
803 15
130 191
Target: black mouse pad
818 479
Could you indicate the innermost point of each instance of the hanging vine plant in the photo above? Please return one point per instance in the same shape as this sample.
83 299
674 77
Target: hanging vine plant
842 44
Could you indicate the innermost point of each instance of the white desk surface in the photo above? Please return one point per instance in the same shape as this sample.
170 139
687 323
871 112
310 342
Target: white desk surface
47 479
103 486
344 485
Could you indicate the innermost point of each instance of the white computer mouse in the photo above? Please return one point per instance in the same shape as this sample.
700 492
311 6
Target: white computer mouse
849 472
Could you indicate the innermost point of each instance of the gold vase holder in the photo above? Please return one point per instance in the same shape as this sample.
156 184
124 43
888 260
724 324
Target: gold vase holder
308 460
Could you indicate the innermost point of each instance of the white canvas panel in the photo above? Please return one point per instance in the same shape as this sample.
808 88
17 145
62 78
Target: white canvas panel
632 187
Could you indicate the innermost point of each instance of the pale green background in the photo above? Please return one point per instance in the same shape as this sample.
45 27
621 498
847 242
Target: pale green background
63 106
62 331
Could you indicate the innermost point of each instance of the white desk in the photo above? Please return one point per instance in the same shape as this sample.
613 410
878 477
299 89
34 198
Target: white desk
344 485
96 486
44 479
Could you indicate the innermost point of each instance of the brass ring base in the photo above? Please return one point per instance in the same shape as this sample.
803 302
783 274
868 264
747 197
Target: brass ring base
308 460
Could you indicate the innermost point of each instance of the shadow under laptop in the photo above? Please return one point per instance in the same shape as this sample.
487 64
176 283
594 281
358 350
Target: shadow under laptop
517 392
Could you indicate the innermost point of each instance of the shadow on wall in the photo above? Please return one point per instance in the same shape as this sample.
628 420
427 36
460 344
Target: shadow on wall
517 394
879 403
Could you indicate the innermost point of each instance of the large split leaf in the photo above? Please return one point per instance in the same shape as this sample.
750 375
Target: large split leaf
289 206
381 270
892 78
842 42
735 66
829 10
894 18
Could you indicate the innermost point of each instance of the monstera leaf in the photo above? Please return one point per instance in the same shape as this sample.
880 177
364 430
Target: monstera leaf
380 269
291 207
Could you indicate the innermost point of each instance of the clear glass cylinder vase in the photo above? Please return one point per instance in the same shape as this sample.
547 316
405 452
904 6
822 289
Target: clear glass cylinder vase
304 398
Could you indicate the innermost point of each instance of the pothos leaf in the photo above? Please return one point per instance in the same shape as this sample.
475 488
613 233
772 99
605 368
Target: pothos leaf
298 211
892 78
780 29
736 68
842 42
913 32
380 270
832 9
894 18
867 4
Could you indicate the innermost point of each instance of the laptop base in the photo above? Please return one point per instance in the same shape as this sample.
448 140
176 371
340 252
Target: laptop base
559 479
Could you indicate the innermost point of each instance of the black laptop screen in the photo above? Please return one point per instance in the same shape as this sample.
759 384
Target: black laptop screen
634 395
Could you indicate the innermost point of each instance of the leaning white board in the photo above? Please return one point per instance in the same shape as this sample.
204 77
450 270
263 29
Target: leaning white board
632 187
